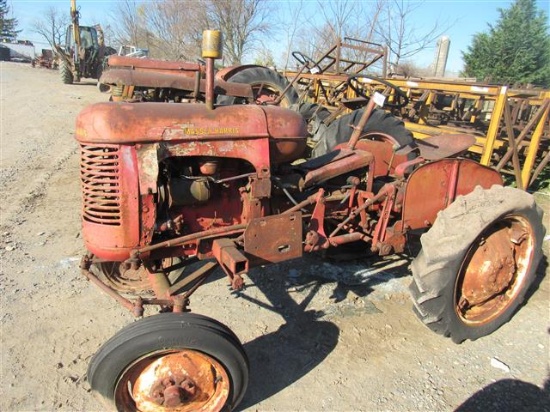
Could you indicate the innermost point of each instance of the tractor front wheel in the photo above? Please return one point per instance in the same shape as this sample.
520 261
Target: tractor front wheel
171 362
65 73
477 262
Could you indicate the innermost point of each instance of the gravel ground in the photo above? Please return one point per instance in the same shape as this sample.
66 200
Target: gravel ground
315 343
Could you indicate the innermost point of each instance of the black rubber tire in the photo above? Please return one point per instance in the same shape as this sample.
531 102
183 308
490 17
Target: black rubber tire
103 88
313 114
256 76
448 244
65 72
163 332
309 110
380 121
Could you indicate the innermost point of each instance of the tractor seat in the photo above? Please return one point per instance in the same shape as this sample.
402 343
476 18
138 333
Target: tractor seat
355 103
444 145
436 148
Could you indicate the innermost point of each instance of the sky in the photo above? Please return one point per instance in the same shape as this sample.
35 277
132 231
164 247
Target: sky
463 18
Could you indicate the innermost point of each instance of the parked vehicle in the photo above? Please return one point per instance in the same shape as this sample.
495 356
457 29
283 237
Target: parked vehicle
84 51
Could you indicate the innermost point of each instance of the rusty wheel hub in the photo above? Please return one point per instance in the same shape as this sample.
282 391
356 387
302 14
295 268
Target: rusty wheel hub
181 381
494 270
127 279
265 94
124 279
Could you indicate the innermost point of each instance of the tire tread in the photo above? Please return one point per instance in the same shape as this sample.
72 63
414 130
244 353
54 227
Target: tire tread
454 230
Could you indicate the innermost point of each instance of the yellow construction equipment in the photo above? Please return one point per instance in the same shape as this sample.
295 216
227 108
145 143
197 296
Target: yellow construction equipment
511 125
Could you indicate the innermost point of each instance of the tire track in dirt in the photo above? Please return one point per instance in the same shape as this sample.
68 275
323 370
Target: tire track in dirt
25 201
313 344
35 140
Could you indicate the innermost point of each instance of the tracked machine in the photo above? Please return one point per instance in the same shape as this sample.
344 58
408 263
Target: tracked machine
237 186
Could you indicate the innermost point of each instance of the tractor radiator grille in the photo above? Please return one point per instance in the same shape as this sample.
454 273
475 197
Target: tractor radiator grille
100 182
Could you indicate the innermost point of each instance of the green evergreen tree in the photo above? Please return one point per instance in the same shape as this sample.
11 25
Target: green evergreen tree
514 51
8 25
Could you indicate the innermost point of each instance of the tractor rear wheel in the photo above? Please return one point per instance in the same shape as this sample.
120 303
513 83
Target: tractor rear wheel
313 114
267 85
65 73
380 122
477 262
171 362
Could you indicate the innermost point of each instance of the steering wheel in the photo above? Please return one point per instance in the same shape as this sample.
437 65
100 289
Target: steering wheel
401 99
305 60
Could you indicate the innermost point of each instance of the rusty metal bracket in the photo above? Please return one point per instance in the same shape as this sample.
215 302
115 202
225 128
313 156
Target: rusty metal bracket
380 230
316 235
274 238
229 257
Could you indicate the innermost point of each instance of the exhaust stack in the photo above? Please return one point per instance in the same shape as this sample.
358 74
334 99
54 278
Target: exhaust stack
211 50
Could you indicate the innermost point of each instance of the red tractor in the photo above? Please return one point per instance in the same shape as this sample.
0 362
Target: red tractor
237 186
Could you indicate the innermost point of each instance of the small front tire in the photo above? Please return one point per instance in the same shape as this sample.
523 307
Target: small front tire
171 362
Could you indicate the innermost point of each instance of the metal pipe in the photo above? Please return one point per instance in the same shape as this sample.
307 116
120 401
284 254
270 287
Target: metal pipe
358 130
193 236
211 50
309 201
159 284
109 291
209 95
343 239
384 192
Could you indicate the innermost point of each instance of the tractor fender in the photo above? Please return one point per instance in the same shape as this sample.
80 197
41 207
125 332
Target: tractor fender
435 185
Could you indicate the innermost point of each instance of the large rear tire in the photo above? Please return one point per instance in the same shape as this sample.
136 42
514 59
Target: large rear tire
267 85
313 114
65 73
380 122
477 262
171 362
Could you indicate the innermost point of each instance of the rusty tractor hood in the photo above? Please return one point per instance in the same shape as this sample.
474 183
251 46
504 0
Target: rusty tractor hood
131 77
127 123
186 69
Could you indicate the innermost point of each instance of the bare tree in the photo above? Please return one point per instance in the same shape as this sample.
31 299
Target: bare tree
52 26
337 17
292 28
337 20
173 29
264 57
242 23
327 23
176 28
401 36
130 27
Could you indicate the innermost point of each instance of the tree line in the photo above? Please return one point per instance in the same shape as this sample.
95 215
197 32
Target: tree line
8 23
516 49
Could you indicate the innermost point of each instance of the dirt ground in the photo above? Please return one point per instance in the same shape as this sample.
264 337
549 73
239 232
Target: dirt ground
314 344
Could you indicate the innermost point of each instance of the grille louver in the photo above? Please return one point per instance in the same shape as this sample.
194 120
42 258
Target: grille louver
100 183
